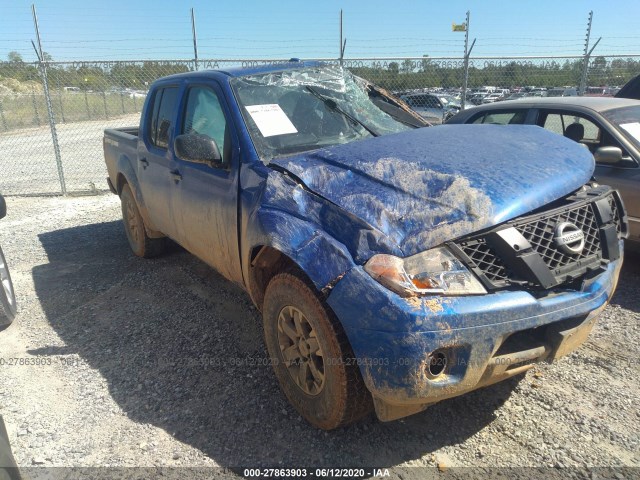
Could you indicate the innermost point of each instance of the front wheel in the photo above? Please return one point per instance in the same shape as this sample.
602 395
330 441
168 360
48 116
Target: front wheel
7 295
311 356
141 244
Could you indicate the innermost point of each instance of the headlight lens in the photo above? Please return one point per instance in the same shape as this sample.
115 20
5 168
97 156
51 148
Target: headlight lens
436 271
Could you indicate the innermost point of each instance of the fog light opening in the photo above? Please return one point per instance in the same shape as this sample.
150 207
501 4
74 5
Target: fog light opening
437 364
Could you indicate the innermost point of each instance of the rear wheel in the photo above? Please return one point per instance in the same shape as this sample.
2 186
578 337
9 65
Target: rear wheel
311 356
141 244
7 294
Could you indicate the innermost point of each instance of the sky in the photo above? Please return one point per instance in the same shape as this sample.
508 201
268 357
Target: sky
158 29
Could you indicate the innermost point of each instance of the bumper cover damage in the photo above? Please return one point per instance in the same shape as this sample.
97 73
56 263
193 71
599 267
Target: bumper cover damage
480 340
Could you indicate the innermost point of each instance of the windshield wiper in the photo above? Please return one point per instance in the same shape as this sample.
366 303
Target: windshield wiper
332 105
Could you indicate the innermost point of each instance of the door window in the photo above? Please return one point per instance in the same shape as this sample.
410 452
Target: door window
502 117
573 126
204 116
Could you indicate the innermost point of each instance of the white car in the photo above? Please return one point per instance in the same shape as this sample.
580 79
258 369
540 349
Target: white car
493 97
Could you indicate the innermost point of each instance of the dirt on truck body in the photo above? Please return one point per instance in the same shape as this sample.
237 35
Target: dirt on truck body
395 266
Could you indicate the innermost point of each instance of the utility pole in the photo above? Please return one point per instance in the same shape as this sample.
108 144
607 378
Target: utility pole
587 53
195 38
343 42
467 52
47 96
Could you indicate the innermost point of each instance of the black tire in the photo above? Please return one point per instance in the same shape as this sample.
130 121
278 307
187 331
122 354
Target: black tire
342 397
7 295
141 244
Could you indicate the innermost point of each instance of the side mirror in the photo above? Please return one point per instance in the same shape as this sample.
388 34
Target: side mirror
608 155
198 149
3 207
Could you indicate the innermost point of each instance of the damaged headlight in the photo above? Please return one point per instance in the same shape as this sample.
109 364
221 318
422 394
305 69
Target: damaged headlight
436 271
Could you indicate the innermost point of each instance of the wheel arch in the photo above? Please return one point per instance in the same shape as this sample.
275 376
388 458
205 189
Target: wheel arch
320 260
127 176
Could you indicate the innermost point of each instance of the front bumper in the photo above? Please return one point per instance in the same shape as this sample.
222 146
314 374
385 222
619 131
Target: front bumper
485 338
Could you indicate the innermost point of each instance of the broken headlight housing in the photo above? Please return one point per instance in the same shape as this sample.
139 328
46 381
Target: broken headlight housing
436 271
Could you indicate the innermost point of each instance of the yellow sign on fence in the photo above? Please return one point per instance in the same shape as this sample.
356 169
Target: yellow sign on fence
459 28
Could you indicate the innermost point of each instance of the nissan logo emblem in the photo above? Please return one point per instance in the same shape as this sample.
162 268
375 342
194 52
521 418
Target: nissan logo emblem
569 238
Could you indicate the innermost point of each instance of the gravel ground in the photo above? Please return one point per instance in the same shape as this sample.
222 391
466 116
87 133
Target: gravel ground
161 363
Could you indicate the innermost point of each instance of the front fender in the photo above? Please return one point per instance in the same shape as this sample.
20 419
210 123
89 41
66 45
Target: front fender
321 257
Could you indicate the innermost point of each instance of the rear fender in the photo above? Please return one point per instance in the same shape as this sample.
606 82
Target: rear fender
129 176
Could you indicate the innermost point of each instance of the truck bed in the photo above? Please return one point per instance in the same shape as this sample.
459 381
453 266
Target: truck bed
124 133
120 145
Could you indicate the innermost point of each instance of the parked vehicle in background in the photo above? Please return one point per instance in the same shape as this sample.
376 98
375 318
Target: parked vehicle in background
515 96
493 97
392 266
7 294
562 92
432 107
477 97
600 92
450 101
631 89
609 127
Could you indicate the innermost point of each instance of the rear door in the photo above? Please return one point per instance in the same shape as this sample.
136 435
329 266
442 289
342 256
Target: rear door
155 157
206 198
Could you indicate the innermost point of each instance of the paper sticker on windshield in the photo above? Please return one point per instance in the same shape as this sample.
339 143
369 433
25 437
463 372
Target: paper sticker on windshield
633 129
271 120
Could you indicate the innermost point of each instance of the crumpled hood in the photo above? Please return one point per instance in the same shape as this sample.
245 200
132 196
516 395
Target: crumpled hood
430 185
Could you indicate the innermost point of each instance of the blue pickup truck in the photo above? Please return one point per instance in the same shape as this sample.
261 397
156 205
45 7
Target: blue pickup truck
394 266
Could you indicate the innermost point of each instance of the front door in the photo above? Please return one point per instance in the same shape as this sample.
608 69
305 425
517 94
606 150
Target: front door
206 202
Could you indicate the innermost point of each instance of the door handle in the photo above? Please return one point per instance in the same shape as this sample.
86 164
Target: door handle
175 174
144 162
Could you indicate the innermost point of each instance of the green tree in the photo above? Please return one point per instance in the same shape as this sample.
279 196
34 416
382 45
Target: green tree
424 63
14 57
407 66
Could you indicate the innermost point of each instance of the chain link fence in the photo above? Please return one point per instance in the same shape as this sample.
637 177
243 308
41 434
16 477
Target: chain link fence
51 138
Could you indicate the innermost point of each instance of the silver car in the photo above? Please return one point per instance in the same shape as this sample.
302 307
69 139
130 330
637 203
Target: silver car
7 295
427 105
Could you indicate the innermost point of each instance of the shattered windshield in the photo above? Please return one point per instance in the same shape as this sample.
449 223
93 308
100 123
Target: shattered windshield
298 110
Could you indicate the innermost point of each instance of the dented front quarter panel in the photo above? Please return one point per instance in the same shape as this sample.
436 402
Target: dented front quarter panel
278 212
